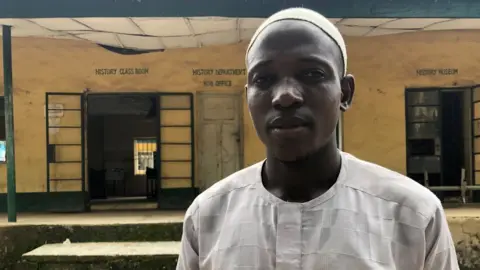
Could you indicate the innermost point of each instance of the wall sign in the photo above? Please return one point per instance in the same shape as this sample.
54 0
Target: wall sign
217 83
120 71
218 72
437 71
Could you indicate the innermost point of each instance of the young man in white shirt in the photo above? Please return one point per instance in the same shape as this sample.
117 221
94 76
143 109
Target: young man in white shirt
309 205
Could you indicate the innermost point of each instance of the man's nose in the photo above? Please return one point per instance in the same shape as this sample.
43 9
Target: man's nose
287 95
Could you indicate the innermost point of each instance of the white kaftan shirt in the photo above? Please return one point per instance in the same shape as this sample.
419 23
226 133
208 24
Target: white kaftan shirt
372 218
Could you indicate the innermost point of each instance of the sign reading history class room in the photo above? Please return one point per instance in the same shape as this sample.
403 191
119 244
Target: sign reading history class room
437 71
120 71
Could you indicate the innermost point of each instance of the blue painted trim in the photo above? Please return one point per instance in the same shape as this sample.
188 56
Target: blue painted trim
238 8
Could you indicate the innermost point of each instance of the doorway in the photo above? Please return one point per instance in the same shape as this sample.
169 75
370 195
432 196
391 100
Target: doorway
439 141
452 134
220 136
122 142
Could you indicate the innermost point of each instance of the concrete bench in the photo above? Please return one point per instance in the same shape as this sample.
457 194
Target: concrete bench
107 255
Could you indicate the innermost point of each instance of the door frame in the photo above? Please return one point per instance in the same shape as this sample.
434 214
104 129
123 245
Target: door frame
440 89
88 93
239 94
192 143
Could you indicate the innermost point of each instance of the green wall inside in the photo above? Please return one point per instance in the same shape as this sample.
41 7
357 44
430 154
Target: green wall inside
47 202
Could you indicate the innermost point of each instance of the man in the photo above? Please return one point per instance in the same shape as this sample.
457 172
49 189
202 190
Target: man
308 205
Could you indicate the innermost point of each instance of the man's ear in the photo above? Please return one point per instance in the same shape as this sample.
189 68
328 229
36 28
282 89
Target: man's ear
348 89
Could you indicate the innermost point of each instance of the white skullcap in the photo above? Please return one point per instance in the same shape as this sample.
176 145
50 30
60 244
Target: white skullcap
307 15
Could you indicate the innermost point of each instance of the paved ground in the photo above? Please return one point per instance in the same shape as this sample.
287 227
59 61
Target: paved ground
155 216
470 212
98 217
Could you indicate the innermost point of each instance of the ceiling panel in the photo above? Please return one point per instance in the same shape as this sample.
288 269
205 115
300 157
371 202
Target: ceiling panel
19 23
209 25
25 28
411 23
219 38
247 23
180 42
164 27
354 30
168 33
334 20
101 38
60 24
382 31
141 43
456 24
114 25
364 22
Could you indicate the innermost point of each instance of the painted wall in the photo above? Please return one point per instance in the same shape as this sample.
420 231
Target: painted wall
374 128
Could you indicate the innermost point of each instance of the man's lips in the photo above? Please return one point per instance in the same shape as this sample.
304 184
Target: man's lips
288 123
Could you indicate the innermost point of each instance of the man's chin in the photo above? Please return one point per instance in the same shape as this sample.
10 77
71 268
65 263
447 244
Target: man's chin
291 156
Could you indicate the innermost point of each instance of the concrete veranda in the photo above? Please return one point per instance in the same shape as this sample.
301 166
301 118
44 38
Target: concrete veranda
154 216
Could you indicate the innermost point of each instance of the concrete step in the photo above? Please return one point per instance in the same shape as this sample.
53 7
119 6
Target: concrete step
19 239
103 256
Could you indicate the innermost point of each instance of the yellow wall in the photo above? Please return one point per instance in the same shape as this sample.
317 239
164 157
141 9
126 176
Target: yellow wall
384 66
374 128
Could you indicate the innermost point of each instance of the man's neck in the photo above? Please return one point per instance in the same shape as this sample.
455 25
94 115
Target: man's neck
303 180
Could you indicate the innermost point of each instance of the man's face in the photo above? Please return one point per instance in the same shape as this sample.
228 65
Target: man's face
294 88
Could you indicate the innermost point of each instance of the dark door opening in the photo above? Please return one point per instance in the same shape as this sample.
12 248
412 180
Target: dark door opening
438 139
452 143
122 136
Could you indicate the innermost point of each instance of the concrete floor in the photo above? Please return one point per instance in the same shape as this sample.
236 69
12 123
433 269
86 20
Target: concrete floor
96 218
111 216
466 212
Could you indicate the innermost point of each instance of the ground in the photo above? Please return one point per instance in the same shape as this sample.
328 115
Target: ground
34 230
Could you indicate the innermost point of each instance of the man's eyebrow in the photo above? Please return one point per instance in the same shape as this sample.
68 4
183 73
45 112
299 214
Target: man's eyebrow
315 59
259 64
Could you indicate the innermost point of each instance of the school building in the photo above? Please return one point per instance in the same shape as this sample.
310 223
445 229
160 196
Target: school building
135 101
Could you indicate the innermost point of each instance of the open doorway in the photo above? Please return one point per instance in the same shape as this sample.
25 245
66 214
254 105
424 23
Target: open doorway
439 141
122 136
453 153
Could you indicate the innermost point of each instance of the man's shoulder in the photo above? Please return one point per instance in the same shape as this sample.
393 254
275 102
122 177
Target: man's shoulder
390 186
219 192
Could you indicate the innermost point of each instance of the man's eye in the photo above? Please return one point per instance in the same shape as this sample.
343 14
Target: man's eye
263 81
314 74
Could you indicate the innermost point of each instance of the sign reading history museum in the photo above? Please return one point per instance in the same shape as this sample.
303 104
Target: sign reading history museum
437 71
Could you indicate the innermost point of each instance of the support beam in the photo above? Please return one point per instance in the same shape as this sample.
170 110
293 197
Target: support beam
8 96
236 8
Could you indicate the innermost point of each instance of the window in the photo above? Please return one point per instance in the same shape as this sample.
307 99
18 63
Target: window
145 150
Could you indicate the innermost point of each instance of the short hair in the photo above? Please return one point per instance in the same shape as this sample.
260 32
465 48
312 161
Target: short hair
310 16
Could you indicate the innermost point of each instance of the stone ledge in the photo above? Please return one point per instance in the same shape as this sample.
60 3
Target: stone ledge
19 239
97 252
